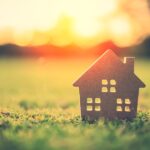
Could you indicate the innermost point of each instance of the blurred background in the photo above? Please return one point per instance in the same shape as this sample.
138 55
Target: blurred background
74 28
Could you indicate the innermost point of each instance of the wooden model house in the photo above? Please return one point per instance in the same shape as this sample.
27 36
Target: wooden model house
109 89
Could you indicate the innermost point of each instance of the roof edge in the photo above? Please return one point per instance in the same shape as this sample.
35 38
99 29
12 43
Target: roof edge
75 84
142 84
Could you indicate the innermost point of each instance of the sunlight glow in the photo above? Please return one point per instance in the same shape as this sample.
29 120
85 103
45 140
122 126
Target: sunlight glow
87 14
63 22
122 31
86 28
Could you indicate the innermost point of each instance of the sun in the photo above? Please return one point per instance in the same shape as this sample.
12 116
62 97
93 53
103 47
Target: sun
88 14
86 28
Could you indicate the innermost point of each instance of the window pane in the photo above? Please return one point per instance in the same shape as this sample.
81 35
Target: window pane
119 101
97 108
97 100
119 108
112 82
104 82
127 109
89 100
89 108
127 101
104 89
113 90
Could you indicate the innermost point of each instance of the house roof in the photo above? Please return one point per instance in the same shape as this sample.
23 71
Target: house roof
108 60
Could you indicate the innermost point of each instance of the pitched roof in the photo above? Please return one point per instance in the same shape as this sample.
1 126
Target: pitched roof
110 59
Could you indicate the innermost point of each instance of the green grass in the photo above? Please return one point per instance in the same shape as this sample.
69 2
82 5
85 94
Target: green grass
39 109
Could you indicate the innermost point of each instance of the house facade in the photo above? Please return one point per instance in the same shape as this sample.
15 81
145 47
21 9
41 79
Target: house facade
109 88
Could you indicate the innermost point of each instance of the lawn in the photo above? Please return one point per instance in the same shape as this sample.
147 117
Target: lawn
39 109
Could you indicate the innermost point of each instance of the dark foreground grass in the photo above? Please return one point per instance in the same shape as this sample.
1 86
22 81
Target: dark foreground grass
39 110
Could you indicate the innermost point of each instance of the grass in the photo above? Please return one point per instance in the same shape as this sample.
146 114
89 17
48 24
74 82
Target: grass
39 109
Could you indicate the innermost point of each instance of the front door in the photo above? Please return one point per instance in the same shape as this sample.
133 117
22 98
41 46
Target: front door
108 106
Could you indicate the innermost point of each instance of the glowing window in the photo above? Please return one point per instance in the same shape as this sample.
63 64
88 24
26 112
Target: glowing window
97 100
89 108
119 101
119 108
127 101
127 109
93 104
89 100
104 82
112 82
108 86
97 108
113 90
104 89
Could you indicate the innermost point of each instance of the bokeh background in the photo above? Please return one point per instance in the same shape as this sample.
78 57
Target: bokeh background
45 45
71 28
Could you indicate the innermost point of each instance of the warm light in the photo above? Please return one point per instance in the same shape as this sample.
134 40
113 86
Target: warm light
88 14
120 26
23 38
87 28
107 7
80 22
122 30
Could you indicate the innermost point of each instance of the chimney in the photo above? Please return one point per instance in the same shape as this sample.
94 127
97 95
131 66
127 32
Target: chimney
129 62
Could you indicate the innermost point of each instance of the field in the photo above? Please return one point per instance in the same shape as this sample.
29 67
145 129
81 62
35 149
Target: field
39 109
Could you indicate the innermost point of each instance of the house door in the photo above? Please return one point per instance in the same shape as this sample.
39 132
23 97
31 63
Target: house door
109 107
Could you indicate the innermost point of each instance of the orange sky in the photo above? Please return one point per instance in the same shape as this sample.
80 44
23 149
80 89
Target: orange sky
80 22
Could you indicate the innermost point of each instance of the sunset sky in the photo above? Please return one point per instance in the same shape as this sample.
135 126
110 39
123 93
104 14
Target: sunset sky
80 22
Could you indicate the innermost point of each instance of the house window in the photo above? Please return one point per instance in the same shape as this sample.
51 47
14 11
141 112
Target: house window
119 101
123 103
89 100
108 86
127 109
104 82
97 108
113 90
127 101
104 89
89 108
93 104
97 100
112 82
119 108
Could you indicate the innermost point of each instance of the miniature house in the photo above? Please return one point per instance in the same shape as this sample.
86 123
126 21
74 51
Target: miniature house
109 89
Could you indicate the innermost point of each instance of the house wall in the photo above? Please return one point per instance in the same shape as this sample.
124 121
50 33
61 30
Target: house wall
92 89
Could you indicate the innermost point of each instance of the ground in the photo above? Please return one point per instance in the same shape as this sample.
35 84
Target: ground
39 109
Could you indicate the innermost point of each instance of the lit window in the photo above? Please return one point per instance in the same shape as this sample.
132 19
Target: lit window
97 100
97 108
89 100
108 86
113 90
119 101
93 104
127 101
104 82
112 82
89 108
127 109
104 89
119 108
